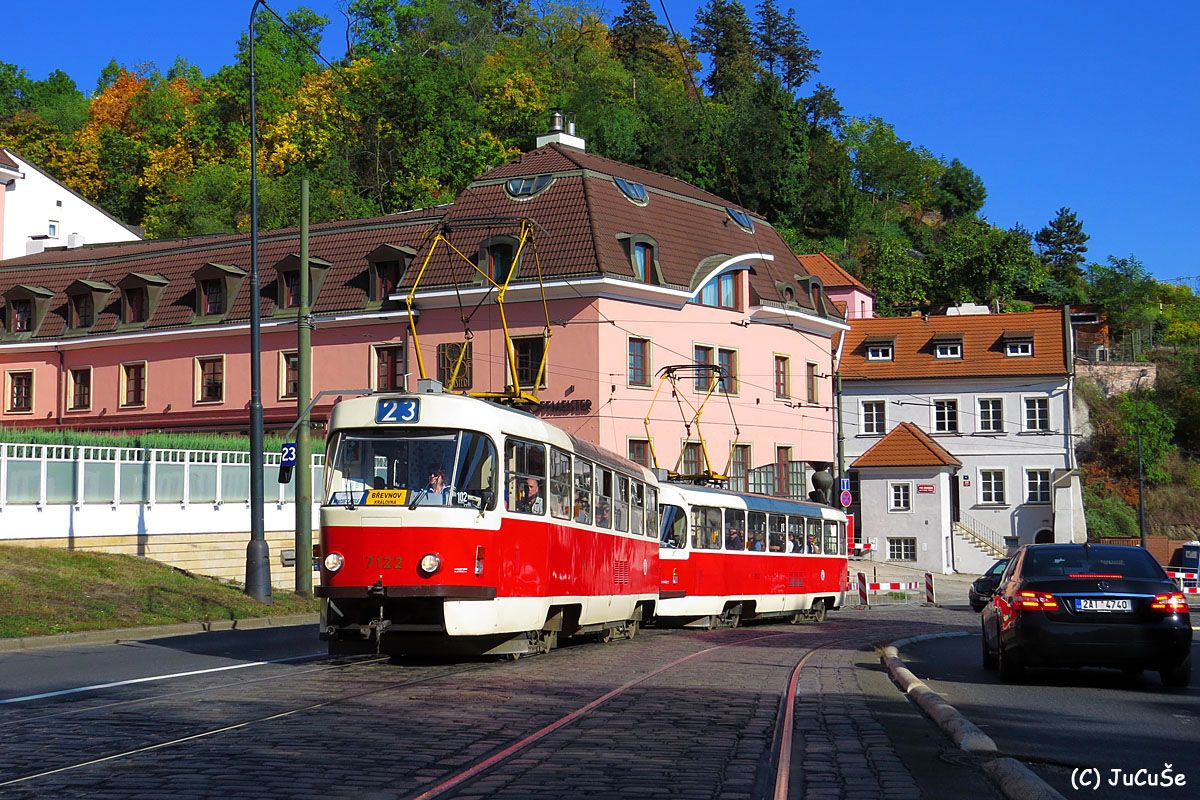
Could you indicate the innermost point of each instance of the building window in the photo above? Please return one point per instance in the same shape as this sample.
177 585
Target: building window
741 219
690 463
945 416
1037 413
727 362
136 303
639 362
879 352
947 349
526 187
783 471
783 378
500 262
82 311
447 357
991 415
634 192
1017 348
529 354
811 383
874 417
389 368
720 292
389 278
212 300
643 262
20 391
210 374
991 486
703 358
52 229
81 389
289 383
291 289
739 468
133 385
1038 483
639 452
22 315
902 548
900 497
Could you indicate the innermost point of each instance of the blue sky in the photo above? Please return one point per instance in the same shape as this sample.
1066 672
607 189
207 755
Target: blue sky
1092 105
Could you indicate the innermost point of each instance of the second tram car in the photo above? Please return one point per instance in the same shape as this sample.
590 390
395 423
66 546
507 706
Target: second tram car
728 556
457 524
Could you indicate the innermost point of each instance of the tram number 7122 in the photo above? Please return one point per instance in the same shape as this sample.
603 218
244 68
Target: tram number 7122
397 412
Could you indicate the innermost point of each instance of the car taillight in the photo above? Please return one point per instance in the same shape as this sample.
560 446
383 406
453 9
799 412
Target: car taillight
1173 603
1042 601
1093 575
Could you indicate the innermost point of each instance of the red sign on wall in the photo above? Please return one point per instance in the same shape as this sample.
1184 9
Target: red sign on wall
925 488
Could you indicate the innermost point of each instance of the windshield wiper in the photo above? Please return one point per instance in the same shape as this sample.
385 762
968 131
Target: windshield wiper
416 501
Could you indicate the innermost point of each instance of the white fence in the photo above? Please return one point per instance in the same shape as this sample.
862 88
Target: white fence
43 475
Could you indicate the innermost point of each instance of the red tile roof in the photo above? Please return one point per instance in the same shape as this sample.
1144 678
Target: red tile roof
983 346
6 160
906 445
831 273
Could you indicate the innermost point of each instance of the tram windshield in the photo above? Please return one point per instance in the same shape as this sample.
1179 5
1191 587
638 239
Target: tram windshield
411 467
673 526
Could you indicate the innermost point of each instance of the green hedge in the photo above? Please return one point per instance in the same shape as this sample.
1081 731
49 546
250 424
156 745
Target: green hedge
157 440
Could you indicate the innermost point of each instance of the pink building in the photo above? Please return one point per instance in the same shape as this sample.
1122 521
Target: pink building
848 293
640 271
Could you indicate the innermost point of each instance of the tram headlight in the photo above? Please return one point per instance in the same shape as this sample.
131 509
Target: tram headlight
430 563
334 562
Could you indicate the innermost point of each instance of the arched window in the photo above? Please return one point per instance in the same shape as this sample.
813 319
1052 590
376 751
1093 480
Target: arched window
643 262
499 261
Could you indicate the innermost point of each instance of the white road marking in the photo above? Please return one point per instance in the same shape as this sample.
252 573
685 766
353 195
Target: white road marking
1184 719
150 679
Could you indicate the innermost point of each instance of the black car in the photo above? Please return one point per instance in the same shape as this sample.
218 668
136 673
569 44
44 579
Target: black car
981 590
1098 605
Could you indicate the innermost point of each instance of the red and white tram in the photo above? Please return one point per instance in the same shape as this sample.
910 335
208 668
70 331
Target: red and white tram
458 524
727 556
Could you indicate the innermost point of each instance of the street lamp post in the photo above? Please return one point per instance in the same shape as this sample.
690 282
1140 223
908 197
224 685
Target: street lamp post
1137 389
258 559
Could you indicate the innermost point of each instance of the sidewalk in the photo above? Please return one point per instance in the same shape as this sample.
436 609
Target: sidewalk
114 635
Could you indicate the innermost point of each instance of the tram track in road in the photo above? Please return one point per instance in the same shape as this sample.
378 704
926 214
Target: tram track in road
279 714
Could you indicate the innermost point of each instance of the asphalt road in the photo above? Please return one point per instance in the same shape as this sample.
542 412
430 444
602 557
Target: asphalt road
1061 720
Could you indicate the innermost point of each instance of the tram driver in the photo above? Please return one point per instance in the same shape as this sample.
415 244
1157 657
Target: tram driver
436 492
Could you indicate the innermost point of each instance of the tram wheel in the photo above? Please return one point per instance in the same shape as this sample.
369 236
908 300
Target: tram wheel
605 636
796 618
513 656
631 629
819 611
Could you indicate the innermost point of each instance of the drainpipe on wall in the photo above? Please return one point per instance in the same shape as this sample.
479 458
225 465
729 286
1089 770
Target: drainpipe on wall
60 389
1069 358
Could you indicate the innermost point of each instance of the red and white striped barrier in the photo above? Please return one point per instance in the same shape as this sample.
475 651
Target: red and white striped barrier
930 596
1186 575
865 588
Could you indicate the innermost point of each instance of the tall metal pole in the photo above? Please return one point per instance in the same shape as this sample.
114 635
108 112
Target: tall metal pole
1141 470
258 555
304 433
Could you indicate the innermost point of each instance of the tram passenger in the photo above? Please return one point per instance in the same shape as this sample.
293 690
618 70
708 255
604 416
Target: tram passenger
530 501
759 542
796 543
436 492
583 508
733 539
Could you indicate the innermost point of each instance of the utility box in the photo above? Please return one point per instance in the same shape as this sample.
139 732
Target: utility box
1190 558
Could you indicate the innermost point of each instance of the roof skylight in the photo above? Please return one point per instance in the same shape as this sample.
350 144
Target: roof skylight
636 192
526 187
742 219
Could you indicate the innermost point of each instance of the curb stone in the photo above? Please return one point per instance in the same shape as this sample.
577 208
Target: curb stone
115 635
1015 780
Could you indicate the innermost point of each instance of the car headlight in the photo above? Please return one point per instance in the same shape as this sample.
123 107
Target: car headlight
430 563
334 562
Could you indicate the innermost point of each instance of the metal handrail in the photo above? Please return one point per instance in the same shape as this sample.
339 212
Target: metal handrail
985 536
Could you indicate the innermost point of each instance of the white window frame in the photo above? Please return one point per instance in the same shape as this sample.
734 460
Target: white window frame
862 416
1003 471
1025 400
948 350
374 365
1018 348
979 410
70 399
1049 486
893 508
881 352
52 229
933 411
901 543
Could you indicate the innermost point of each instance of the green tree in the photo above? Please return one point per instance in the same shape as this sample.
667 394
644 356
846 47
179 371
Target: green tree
1141 415
960 192
14 90
766 145
899 275
982 263
1125 290
1062 244
637 37
723 32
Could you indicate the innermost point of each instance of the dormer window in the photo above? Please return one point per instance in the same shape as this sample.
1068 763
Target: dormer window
948 348
643 262
634 192
500 262
741 219
82 311
1018 348
212 297
789 295
216 287
136 304
84 299
387 277
140 293
524 188
291 289
21 315
880 351
287 292
388 263
27 307
720 292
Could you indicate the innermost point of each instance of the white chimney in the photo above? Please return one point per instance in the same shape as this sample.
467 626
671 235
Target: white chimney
75 240
33 246
556 134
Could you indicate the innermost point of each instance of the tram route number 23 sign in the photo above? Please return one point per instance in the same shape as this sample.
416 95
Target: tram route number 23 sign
389 411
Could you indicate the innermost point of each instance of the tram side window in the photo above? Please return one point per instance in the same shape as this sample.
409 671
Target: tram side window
735 529
651 511
706 528
795 534
621 506
757 535
583 491
831 538
841 539
637 510
560 484
674 527
526 477
777 537
604 495
814 536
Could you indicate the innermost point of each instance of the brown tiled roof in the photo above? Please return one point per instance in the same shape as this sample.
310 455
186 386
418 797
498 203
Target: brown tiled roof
906 445
6 160
983 338
830 272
